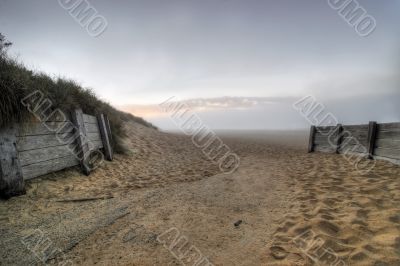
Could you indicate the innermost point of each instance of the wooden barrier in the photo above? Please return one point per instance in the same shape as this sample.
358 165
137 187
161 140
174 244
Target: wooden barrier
388 141
38 148
321 142
379 141
11 180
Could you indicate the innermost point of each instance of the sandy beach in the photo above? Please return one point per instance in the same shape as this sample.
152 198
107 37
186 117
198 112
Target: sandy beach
282 206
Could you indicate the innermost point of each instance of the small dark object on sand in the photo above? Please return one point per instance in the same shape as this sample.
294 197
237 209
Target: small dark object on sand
238 223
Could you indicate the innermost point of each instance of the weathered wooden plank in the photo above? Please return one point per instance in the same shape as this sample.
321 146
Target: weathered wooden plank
360 135
322 142
331 134
43 141
45 167
325 130
354 149
395 135
354 141
358 138
394 161
389 153
387 143
82 143
89 119
105 137
92 128
327 141
46 154
97 144
319 135
94 136
324 148
325 145
389 127
11 180
330 139
33 129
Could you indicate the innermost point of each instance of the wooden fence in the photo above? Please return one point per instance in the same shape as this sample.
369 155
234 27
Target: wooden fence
37 148
379 141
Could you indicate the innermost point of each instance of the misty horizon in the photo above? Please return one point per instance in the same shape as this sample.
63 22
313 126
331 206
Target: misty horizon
222 52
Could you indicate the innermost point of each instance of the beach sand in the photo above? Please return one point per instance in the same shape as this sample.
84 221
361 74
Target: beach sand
282 206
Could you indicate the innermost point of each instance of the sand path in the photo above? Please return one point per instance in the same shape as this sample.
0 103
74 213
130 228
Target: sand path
279 193
203 211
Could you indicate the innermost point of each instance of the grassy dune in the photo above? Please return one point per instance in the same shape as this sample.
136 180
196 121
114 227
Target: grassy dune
16 82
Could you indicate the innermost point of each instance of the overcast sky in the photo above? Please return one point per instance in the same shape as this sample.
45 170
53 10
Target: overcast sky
272 52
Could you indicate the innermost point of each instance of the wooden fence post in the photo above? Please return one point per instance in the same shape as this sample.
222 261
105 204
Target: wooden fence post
339 137
311 139
372 128
108 128
81 138
105 136
11 179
